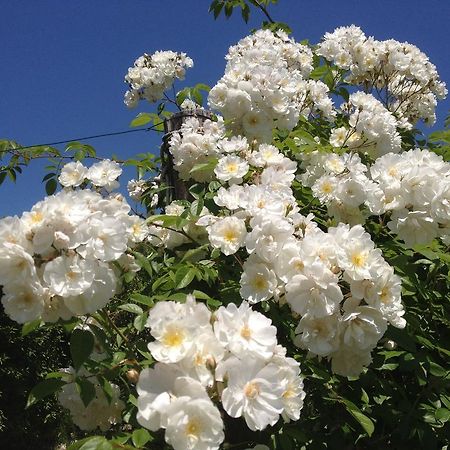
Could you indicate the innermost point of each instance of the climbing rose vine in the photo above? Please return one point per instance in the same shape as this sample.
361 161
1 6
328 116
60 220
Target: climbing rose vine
192 319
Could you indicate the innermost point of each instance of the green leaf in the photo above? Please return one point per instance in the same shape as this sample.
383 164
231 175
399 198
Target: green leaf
132 308
96 443
364 396
140 437
437 370
143 299
141 119
50 186
107 389
361 418
81 346
54 375
140 321
197 207
184 276
192 253
28 327
442 414
48 176
44 389
209 166
202 87
245 11
86 390
319 72
143 262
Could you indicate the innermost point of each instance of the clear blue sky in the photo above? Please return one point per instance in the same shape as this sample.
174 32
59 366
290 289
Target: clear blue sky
63 63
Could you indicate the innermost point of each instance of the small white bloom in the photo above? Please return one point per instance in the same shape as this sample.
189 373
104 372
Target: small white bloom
24 302
231 168
244 331
69 275
175 327
254 391
73 174
193 424
258 282
228 234
104 174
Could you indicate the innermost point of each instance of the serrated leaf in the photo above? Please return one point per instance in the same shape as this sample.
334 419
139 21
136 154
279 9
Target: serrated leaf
86 390
96 443
81 346
140 437
44 389
194 252
143 299
28 327
360 417
442 414
184 276
140 321
143 262
209 166
50 186
437 370
132 308
141 119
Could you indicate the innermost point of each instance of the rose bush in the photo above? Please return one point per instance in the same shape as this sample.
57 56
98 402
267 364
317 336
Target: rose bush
295 297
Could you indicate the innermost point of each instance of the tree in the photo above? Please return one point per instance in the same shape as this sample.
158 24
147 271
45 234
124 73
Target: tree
304 226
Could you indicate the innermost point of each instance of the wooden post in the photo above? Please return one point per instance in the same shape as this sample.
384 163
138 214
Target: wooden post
178 189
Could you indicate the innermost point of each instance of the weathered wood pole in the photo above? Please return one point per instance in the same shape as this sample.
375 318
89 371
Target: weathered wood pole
178 189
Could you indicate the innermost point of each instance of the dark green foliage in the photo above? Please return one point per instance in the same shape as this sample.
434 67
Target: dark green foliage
23 362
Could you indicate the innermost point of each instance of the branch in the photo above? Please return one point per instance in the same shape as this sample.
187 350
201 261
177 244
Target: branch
263 8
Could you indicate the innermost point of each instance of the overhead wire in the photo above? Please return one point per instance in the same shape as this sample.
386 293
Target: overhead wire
85 138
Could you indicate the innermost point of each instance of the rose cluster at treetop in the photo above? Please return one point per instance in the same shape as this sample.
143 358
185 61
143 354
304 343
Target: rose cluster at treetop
231 356
399 72
151 75
56 261
266 85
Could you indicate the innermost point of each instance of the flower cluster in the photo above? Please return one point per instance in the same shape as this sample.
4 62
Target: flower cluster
266 84
103 174
399 71
196 144
56 261
231 356
151 75
343 185
160 236
338 283
372 128
101 412
414 186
